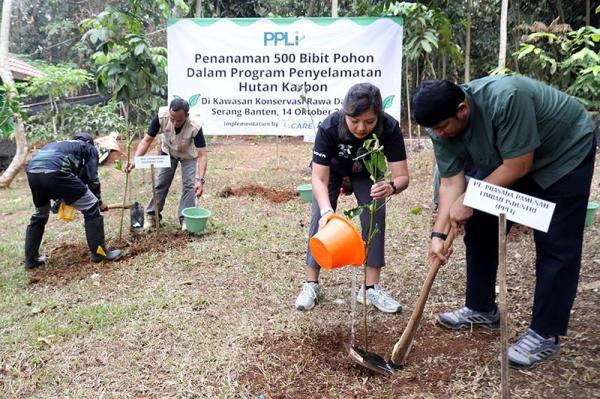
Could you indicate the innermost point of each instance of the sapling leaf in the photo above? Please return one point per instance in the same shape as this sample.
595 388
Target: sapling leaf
354 212
381 164
373 232
368 166
120 165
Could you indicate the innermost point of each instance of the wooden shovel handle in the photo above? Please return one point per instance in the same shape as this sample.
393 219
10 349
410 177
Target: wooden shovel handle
404 344
119 206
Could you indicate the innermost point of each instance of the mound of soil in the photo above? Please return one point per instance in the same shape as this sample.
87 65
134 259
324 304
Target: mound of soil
253 190
71 261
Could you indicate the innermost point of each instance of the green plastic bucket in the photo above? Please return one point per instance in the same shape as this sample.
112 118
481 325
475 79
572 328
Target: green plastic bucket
305 191
592 207
195 219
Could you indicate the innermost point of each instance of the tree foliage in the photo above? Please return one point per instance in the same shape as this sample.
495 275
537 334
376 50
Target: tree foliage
128 65
568 60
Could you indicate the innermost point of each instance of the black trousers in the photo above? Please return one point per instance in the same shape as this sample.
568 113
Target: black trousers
558 252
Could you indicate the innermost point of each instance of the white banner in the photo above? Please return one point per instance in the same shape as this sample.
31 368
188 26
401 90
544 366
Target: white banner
279 76
521 208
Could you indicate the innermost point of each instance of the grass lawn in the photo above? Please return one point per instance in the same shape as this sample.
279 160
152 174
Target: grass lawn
212 315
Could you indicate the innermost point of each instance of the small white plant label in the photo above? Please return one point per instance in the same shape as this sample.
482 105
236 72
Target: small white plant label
159 161
520 208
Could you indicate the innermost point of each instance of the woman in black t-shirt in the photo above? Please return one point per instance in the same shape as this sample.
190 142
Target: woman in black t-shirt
338 140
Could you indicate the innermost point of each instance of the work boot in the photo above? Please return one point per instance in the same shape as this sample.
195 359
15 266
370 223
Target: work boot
33 239
136 214
94 233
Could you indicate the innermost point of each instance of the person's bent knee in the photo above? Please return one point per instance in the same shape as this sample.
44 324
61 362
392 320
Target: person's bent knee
41 212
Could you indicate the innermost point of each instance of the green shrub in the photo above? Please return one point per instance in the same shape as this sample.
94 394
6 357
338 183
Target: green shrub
98 120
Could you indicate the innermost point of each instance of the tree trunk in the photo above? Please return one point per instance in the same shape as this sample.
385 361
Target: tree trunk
468 43
444 66
503 27
198 10
417 81
6 75
312 7
407 99
587 13
334 8
561 11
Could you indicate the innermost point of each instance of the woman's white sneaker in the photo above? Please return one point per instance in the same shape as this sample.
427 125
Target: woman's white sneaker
308 297
379 298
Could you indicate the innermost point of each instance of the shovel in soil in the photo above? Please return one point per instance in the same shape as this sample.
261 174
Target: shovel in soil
378 364
136 215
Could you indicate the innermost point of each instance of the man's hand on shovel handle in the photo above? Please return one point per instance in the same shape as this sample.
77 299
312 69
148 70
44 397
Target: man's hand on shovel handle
436 251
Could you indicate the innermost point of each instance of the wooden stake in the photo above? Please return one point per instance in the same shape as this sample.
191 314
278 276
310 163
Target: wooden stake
365 325
502 305
277 152
156 213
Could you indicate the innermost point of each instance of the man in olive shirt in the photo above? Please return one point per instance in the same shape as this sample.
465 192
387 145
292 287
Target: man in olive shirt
532 138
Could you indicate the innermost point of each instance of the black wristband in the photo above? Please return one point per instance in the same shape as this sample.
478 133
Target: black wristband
439 235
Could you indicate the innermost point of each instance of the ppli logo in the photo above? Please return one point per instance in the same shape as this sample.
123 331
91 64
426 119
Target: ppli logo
282 38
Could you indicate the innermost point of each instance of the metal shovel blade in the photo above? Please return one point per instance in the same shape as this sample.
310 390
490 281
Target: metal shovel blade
370 360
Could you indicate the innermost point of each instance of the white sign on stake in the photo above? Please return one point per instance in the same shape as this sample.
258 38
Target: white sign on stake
518 207
159 161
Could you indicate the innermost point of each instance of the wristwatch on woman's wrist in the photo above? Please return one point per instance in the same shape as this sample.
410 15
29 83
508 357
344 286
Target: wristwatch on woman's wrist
439 235
326 210
201 179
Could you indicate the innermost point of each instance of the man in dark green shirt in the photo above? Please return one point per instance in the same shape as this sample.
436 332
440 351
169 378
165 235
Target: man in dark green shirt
519 133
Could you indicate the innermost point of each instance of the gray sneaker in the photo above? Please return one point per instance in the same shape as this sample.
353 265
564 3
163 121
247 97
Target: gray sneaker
379 298
531 349
309 296
467 318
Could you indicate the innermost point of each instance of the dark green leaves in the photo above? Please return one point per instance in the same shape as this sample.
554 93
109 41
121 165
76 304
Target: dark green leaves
354 212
